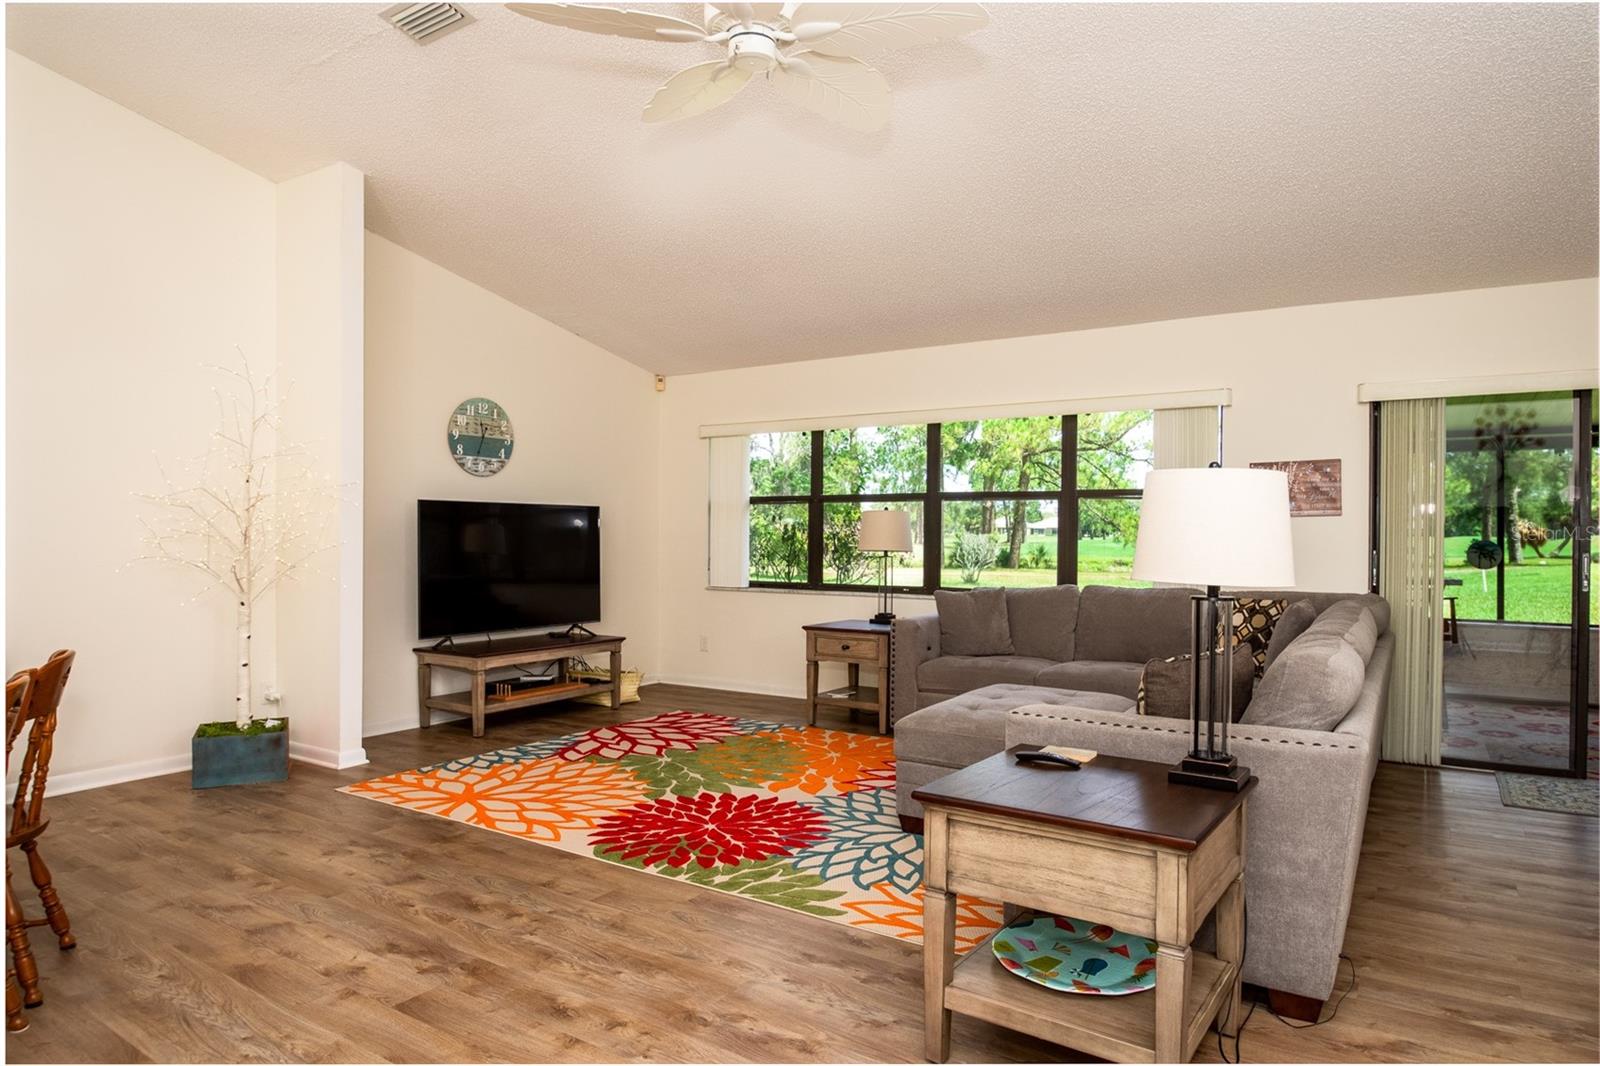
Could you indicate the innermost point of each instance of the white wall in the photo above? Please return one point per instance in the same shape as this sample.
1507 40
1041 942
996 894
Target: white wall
133 256
1293 373
585 426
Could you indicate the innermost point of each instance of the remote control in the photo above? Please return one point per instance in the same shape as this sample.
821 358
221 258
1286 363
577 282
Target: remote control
1047 758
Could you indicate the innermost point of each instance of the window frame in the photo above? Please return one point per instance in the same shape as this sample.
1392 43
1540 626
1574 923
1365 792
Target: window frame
1066 497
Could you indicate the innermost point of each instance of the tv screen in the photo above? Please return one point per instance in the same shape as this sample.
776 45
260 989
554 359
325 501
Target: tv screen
485 567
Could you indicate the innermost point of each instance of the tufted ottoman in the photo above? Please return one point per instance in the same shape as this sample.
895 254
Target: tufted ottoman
967 728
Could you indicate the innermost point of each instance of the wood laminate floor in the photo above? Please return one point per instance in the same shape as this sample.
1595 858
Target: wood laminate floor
288 922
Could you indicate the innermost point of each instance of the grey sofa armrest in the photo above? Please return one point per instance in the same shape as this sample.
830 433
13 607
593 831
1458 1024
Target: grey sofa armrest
1306 819
913 642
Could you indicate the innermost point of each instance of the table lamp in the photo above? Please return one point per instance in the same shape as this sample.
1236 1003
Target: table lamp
887 532
1212 526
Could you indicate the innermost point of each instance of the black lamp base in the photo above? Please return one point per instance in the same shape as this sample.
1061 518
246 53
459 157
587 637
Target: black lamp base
1222 773
883 618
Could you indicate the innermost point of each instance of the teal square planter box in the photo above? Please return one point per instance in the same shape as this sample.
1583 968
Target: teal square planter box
240 760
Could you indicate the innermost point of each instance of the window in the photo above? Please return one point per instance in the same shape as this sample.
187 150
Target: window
1015 502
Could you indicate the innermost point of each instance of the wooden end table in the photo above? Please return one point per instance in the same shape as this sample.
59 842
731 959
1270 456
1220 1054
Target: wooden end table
478 657
1113 843
854 642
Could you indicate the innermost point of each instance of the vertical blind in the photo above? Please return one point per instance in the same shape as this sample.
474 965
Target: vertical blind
1186 437
729 513
1411 573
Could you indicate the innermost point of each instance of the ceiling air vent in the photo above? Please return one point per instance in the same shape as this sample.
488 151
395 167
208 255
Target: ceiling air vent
426 23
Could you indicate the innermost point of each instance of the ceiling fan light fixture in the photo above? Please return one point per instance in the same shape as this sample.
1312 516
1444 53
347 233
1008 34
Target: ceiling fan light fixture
830 77
753 51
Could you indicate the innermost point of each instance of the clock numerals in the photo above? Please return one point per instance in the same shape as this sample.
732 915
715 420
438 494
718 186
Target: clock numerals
479 437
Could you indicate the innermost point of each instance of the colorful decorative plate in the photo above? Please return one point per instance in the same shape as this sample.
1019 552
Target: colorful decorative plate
1070 955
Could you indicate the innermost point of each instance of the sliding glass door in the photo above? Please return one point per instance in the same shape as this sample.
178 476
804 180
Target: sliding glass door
1519 611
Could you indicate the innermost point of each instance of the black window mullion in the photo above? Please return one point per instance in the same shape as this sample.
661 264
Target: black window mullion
814 519
1066 505
933 511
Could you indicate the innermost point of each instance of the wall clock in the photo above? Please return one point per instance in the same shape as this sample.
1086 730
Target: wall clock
480 437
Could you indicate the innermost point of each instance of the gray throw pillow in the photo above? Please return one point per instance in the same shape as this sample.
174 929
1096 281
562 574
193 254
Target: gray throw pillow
1164 685
1296 619
974 622
1363 634
1312 685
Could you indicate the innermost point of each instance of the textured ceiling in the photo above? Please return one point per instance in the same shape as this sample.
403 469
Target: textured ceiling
1065 168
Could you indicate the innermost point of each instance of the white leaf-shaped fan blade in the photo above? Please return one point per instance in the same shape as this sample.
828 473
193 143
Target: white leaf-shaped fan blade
760 12
696 91
836 87
611 20
869 30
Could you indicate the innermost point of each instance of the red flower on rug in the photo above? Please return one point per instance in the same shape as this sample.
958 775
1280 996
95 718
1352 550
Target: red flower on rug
711 829
675 730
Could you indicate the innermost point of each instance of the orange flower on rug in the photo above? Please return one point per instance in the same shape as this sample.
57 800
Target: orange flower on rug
795 817
899 914
540 799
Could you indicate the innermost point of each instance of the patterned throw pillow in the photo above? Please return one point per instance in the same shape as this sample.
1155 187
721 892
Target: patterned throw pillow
1253 620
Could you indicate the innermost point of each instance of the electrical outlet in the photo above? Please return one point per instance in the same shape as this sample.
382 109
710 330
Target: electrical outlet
705 645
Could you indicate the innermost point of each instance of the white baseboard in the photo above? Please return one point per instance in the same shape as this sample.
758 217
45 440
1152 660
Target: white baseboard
82 780
101 776
329 757
726 685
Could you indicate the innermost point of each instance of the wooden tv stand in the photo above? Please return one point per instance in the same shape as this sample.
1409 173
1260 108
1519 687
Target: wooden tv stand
478 657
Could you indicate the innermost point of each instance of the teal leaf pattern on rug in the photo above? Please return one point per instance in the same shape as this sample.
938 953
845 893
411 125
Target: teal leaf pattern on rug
539 749
752 725
865 842
747 761
772 881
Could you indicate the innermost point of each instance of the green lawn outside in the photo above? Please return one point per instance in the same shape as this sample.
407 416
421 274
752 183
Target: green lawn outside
1538 590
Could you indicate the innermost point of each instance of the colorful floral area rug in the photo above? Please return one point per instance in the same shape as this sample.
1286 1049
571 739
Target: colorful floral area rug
791 816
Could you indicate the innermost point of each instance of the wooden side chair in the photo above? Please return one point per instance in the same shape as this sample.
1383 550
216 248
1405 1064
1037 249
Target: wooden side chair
18 691
37 709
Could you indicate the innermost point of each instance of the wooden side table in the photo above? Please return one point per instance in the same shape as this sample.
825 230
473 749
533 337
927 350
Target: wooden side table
1113 843
854 642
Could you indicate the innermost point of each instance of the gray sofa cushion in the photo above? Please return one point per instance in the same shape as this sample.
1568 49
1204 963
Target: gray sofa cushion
1043 621
1295 620
973 622
1131 625
963 673
1318 678
1090 676
964 729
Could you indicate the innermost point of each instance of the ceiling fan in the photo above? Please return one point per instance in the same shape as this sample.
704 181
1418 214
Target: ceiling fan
814 53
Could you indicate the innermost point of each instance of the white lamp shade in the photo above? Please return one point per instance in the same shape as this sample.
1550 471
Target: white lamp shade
1215 526
885 531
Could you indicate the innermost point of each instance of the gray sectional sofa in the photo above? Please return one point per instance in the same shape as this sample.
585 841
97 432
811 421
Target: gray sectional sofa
1071 677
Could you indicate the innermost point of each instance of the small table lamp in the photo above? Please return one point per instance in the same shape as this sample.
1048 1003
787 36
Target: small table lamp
886 532
1212 526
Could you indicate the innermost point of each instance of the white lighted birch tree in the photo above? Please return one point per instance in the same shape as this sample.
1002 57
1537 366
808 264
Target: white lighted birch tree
245 514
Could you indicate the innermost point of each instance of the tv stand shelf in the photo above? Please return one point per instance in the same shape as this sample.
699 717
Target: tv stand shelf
478 657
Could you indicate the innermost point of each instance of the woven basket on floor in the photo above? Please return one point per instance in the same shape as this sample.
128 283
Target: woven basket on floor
580 670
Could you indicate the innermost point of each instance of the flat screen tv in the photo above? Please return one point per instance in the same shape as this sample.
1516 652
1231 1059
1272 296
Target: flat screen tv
488 567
